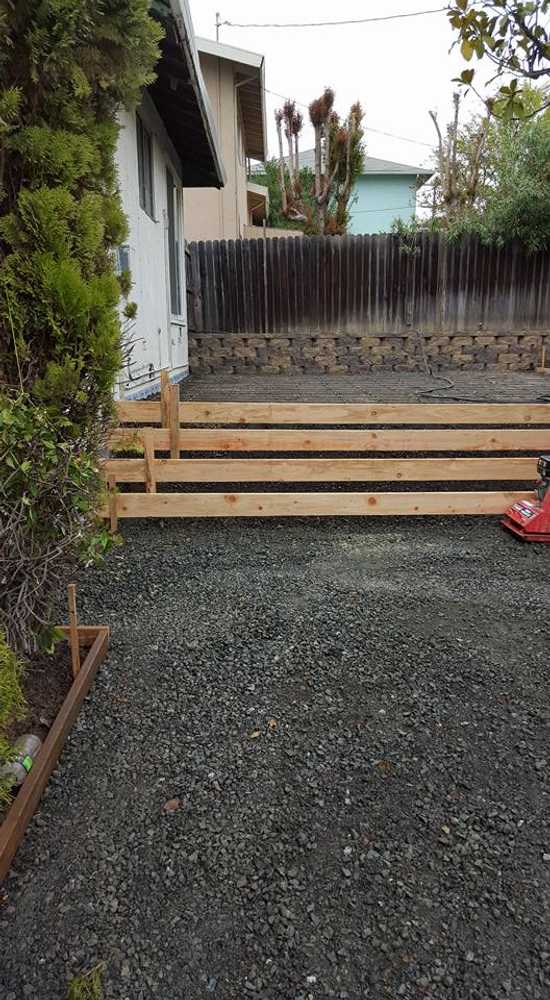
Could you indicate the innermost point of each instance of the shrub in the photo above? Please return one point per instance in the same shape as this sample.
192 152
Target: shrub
12 706
66 66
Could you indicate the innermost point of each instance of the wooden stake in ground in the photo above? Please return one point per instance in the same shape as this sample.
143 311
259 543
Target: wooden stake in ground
73 630
148 439
113 516
174 420
164 397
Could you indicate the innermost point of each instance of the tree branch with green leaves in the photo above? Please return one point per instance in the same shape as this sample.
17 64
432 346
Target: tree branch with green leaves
512 35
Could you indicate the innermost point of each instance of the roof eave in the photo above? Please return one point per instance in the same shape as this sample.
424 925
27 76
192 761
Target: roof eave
250 67
254 117
181 99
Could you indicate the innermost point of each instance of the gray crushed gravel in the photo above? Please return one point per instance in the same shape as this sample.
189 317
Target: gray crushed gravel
356 717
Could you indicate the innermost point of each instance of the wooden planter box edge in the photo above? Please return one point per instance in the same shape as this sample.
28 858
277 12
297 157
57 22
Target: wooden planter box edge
24 805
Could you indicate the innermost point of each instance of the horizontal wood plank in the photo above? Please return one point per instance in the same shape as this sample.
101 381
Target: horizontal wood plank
494 414
139 411
325 470
313 504
342 440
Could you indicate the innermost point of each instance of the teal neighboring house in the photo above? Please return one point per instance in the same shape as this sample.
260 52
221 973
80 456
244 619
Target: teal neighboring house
384 192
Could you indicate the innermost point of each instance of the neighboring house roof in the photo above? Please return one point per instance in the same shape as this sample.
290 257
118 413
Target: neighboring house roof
249 66
180 96
372 165
257 197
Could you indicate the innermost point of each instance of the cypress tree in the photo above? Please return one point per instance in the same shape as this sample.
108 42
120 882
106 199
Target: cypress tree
66 68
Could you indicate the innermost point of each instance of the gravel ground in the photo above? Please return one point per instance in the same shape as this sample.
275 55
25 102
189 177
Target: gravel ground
355 716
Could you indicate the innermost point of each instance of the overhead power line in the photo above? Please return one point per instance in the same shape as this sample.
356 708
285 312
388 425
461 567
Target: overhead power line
368 128
333 24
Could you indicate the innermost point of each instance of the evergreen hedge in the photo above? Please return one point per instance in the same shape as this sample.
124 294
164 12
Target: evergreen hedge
66 67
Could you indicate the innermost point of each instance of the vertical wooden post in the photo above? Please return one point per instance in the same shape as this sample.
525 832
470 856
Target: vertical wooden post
174 421
164 397
113 510
73 630
148 439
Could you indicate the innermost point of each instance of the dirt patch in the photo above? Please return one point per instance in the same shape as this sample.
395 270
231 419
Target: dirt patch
46 683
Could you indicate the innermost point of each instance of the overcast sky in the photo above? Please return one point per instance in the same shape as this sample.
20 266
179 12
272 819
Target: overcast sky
397 69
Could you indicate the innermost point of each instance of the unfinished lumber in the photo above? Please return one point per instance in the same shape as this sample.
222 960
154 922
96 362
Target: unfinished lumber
142 411
148 439
325 470
366 413
111 487
174 420
23 807
164 396
460 440
315 504
245 414
73 629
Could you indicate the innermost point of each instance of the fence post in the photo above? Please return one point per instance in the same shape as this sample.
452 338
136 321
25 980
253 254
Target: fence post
164 397
174 420
148 438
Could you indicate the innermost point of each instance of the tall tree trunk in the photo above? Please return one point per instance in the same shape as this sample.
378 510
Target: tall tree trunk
318 136
282 177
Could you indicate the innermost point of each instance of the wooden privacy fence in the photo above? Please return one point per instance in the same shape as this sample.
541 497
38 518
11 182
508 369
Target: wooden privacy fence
286 443
365 285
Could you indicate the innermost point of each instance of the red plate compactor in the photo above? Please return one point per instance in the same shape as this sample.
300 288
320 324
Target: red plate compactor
530 519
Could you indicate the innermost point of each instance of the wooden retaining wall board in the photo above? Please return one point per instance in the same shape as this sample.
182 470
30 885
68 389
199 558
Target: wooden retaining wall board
496 414
313 504
205 440
25 803
326 470
226 436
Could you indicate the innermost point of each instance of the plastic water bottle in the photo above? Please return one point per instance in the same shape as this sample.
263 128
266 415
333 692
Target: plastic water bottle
26 748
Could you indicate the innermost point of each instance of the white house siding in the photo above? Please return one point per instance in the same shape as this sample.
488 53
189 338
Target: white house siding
159 340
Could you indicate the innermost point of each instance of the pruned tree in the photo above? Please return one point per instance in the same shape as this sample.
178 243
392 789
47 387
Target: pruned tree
339 154
320 116
348 152
491 179
282 172
291 121
455 185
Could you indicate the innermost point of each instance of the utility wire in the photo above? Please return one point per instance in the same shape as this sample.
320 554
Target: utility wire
332 24
368 128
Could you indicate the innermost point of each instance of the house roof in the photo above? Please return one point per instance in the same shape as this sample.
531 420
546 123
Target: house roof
249 66
180 96
372 165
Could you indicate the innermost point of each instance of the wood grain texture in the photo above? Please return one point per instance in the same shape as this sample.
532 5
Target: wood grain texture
325 470
314 504
363 285
173 420
73 629
493 414
205 439
148 438
138 412
13 828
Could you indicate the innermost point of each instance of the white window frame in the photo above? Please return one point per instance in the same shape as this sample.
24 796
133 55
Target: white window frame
146 170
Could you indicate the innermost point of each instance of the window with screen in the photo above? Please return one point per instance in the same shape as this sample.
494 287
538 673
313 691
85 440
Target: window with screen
145 167
175 240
